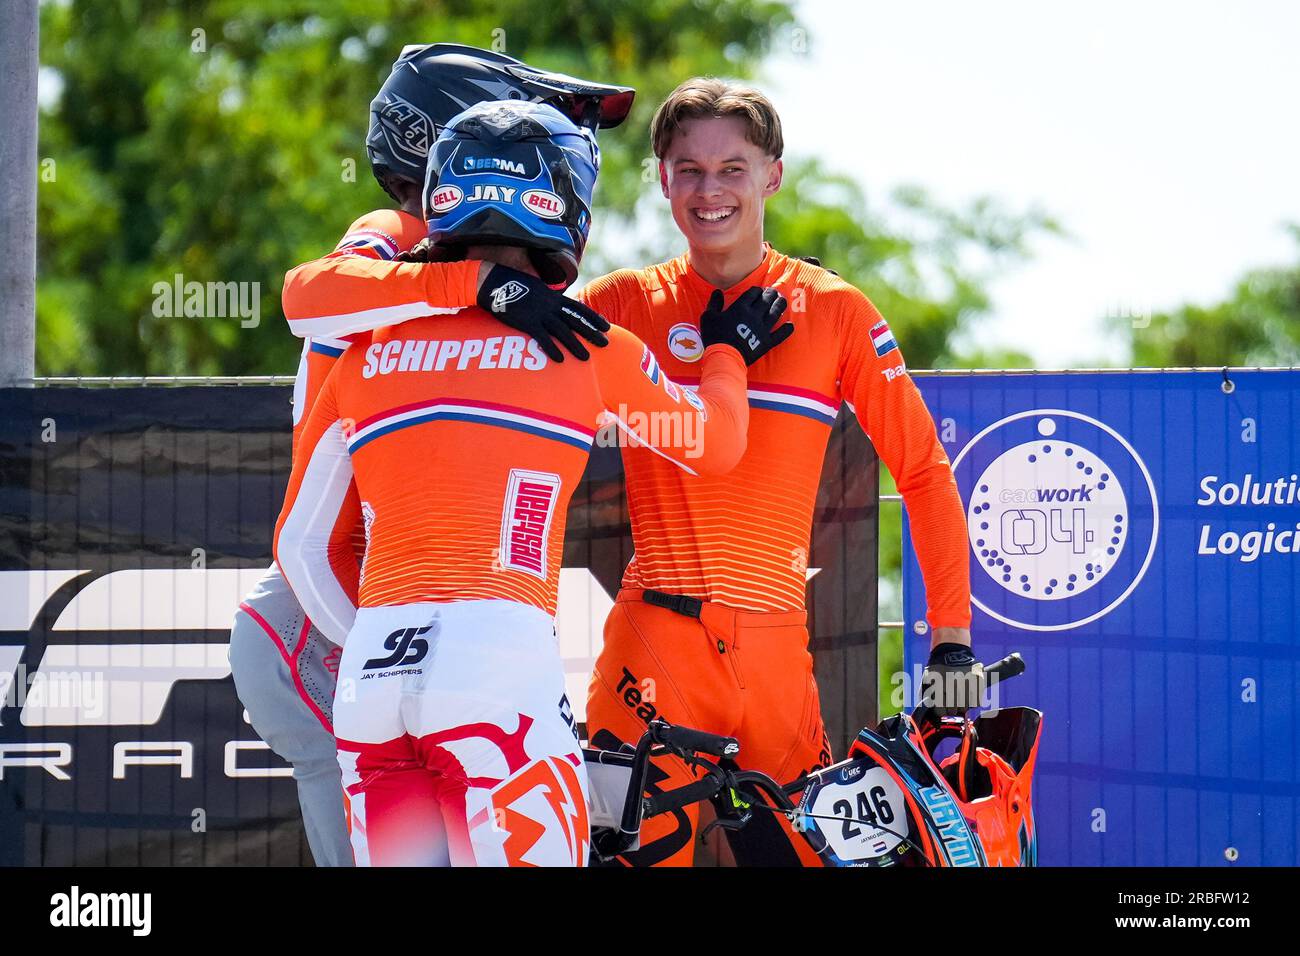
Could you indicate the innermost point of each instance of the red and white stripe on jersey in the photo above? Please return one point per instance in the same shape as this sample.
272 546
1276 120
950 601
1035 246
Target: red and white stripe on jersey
796 401
787 398
465 410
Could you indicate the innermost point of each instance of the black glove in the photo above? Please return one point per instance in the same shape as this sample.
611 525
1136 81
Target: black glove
528 304
818 263
953 681
417 253
748 325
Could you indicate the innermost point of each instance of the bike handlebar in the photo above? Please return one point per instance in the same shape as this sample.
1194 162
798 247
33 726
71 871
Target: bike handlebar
693 741
1013 665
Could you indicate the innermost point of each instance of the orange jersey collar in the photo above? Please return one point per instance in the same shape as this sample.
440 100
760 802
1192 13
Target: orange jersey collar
756 277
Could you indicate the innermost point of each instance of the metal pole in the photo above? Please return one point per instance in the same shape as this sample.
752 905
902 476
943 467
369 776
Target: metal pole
18 61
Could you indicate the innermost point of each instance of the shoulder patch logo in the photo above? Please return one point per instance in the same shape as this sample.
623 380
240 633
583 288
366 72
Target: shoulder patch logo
694 401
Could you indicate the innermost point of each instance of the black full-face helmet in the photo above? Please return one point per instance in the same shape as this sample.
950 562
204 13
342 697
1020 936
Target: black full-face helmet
432 83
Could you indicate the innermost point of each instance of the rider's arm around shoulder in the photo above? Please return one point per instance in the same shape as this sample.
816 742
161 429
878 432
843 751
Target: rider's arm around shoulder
358 287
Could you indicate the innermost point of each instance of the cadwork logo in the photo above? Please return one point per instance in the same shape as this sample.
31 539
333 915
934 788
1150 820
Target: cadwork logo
1063 518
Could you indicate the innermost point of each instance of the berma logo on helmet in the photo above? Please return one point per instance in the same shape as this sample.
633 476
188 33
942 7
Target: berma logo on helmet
1063 518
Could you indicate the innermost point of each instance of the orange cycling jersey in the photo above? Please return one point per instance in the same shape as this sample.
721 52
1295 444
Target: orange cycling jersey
459 447
741 541
378 235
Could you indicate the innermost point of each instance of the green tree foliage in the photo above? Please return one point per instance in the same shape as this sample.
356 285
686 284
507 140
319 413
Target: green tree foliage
925 267
1257 325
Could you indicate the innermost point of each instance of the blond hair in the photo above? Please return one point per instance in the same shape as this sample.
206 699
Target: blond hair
705 96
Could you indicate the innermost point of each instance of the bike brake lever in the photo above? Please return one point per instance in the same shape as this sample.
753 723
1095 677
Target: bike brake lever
727 823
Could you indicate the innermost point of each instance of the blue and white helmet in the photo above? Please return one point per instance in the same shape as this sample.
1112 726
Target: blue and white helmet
514 174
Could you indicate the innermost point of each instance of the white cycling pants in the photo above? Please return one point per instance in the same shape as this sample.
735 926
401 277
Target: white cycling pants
456 740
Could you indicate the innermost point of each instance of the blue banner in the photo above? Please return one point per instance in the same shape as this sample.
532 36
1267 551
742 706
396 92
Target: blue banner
1136 536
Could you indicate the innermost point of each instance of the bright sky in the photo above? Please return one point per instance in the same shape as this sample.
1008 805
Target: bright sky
1163 135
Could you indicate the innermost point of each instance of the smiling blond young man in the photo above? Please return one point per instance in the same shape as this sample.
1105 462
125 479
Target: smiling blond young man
711 620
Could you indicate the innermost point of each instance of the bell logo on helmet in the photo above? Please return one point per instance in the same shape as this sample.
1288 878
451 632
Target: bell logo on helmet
544 202
503 295
446 198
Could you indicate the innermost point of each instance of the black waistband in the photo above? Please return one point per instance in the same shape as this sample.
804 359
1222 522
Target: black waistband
677 603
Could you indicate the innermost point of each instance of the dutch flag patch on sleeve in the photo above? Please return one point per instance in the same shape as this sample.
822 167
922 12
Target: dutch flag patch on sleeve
882 338
379 244
649 364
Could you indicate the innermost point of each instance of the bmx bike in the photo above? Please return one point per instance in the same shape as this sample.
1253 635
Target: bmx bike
893 801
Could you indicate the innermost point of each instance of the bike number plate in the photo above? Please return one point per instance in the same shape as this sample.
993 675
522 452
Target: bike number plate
860 810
